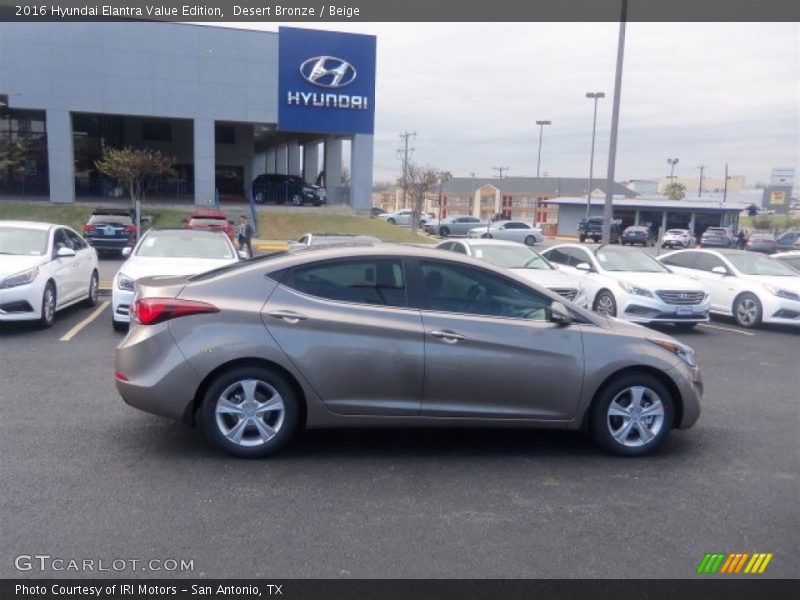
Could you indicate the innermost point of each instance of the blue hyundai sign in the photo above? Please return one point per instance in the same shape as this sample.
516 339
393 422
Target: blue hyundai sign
326 81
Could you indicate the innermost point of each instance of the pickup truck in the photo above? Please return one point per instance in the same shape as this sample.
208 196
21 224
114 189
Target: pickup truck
592 228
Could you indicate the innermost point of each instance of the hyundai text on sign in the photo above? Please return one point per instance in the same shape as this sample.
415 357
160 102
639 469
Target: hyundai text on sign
326 81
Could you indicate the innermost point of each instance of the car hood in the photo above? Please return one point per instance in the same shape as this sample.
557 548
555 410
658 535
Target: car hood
137 267
791 283
659 281
547 278
11 264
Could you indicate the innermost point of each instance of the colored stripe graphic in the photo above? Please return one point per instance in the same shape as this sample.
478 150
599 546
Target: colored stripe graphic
710 563
722 563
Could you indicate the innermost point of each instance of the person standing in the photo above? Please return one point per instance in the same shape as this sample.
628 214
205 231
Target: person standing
741 239
245 235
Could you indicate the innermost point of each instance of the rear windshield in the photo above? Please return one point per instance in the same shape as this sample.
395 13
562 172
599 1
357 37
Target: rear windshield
208 221
23 241
235 266
113 219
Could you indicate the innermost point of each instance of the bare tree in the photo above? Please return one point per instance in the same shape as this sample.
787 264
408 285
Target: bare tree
420 180
136 169
345 180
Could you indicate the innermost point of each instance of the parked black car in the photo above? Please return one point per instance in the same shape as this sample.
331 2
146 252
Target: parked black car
638 235
273 188
592 228
717 237
110 229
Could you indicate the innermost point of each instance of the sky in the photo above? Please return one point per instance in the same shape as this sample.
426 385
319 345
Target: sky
706 93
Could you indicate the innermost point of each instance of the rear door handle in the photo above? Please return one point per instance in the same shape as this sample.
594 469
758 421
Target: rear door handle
449 337
287 315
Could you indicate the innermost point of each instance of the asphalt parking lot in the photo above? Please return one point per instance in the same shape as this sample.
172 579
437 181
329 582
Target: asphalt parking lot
87 477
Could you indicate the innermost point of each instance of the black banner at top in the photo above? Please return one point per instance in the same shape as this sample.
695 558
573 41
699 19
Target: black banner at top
322 11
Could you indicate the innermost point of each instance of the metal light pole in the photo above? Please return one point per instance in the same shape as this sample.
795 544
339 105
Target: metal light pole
541 125
672 162
700 186
595 96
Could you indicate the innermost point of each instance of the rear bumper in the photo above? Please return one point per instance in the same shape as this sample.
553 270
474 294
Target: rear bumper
109 244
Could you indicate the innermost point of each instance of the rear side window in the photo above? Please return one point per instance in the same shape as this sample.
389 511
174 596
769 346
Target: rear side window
75 239
364 281
61 240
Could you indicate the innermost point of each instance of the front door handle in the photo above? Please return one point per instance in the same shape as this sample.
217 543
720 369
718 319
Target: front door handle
289 316
449 337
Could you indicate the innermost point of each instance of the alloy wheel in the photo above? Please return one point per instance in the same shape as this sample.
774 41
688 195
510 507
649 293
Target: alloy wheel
747 311
250 412
635 416
49 305
605 305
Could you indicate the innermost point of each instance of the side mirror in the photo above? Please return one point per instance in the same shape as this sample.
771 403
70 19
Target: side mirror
559 313
720 270
64 252
242 255
584 267
126 251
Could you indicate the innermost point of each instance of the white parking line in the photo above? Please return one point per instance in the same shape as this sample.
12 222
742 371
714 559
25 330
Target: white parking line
727 329
75 330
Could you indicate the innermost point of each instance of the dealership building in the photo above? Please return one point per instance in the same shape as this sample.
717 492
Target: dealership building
227 104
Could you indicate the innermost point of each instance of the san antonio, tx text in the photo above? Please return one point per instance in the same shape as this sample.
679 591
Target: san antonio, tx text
128 589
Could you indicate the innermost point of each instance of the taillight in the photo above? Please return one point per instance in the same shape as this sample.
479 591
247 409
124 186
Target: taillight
130 228
149 311
88 228
120 376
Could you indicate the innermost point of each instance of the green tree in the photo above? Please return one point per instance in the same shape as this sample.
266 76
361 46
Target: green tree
13 153
675 191
136 169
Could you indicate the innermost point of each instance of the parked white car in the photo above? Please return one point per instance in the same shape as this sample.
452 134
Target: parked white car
678 238
749 286
630 284
512 231
524 261
43 268
403 217
791 258
168 252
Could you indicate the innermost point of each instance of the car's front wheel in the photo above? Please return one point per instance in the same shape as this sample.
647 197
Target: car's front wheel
530 240
91 298
747 310
48 312
605 304
444 232
391 221
632 415
250 412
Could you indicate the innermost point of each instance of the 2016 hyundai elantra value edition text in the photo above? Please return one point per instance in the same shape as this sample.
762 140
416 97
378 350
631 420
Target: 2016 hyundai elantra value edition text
383 335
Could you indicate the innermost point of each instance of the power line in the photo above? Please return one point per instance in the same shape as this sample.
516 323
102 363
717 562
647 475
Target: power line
500 170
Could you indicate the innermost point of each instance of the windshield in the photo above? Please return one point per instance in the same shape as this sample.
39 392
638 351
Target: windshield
676 232
23 241
629 260
511 257
185 245
756 264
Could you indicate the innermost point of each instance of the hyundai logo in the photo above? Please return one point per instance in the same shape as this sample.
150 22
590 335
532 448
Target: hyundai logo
328 71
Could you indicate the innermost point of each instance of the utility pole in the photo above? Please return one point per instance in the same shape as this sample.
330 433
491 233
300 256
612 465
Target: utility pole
595 96
541 125
500 170
725 189
700 187
405 150
608 209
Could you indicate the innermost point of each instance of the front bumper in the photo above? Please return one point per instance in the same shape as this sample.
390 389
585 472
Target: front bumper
641 309
120 304
22 303
689 382
781 311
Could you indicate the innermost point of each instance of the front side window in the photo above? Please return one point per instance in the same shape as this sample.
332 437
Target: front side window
364 281
686 260
558 256
455 288
706 262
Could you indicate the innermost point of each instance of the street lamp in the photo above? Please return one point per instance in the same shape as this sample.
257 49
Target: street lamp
594 96
672 162
541 125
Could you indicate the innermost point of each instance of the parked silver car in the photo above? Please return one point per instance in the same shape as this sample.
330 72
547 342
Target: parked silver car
391 335
512 231
454 226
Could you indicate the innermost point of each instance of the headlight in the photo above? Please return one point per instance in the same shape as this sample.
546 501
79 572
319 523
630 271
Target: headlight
782 293
23 278
632 289
125 283
685 353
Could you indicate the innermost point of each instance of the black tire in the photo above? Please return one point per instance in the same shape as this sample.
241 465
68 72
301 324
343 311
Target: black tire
487 236
530 240
596 240
685 326
119 325
747 310
444 232
582 238
601 423
604 299
284 429
91 299
391 221
47 313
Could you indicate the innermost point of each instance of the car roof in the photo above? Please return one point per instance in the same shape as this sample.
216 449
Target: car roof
789 254
486 242
185 232
208 214
30 225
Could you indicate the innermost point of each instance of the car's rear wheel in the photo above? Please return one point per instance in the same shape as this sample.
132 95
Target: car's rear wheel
487 236
297 199
444 232
91 299
530 240
632 415
605 304
391 221
747 310
48 312
250 412
582 238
